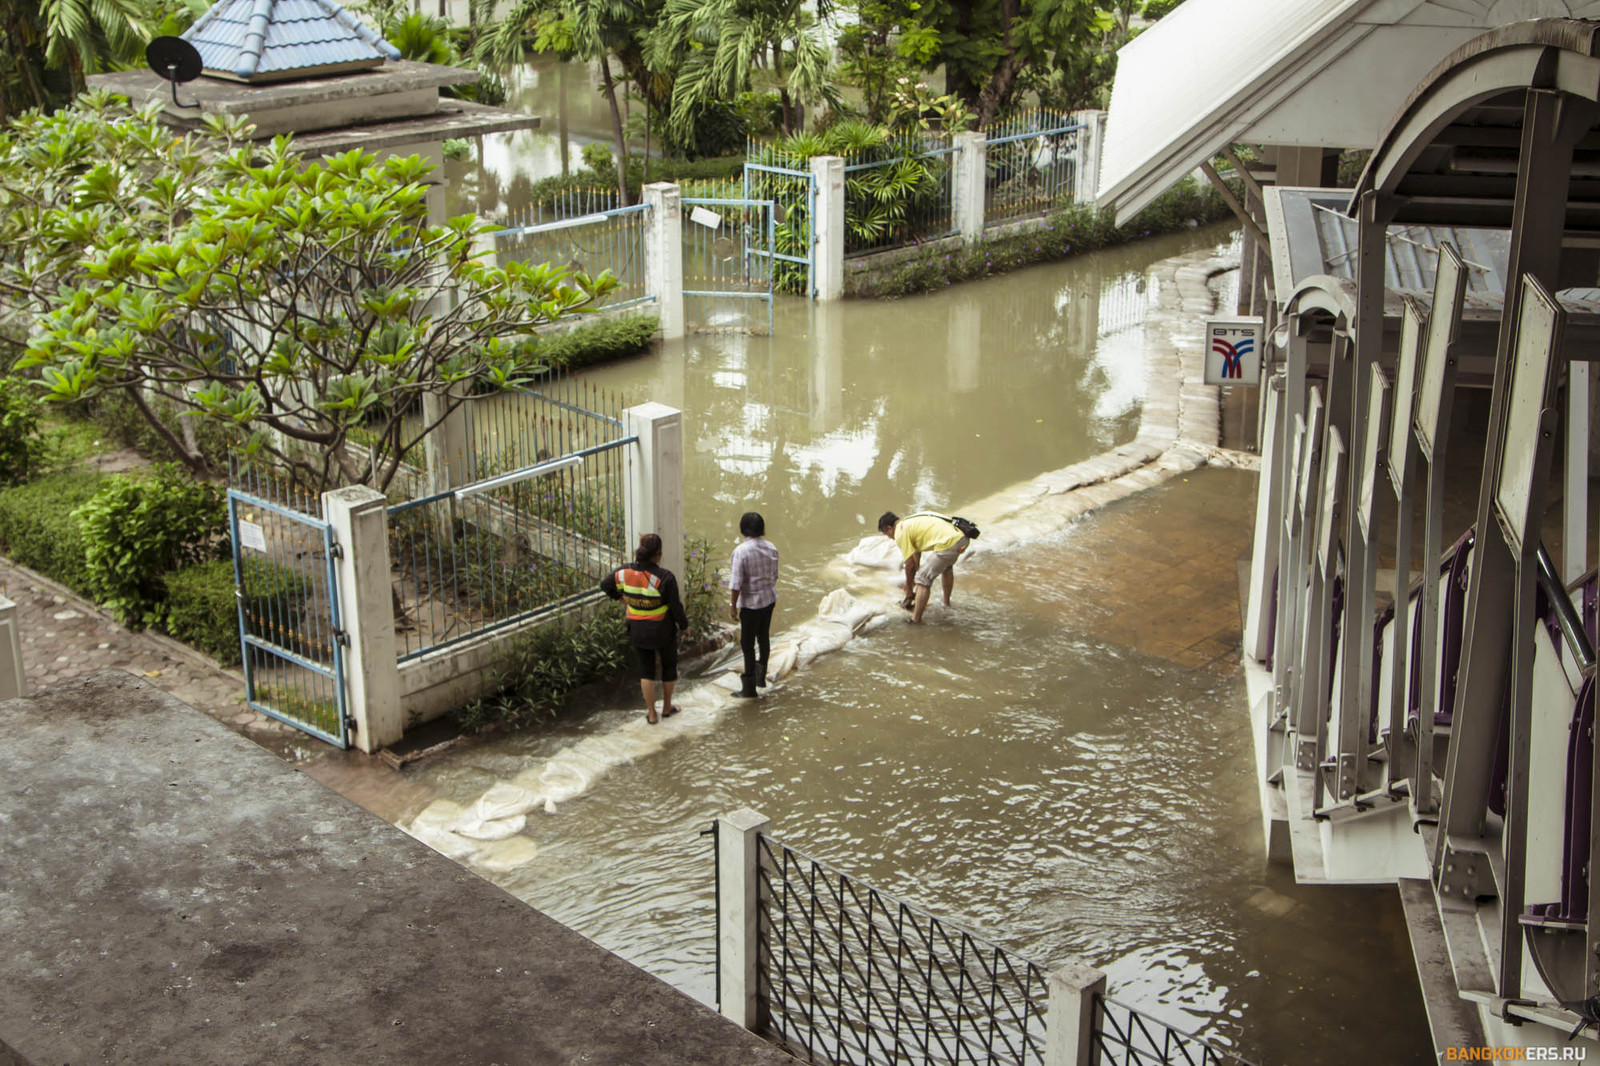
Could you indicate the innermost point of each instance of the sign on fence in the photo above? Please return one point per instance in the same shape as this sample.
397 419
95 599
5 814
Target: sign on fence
1233 351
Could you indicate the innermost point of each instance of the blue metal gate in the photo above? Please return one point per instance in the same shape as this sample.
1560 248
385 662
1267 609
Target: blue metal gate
290 635
729 257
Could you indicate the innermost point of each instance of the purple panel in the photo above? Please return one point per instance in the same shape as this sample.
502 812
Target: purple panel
1453 622
1580 786
1502 753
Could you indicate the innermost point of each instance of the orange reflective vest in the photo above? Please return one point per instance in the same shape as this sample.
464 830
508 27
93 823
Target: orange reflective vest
641 591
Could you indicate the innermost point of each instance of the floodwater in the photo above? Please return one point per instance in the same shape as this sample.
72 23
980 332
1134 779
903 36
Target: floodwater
1027 765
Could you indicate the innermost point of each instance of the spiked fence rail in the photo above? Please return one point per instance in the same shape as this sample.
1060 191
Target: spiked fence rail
1032 162
584 229
847 975
472 560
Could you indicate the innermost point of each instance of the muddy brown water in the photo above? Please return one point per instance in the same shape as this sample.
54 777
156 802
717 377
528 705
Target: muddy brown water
1035 765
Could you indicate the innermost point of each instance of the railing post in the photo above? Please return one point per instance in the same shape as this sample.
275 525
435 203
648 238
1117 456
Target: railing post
738 861
967 183
360 519
1086 182
1269 518
655 480
663 255
1069 1015
13 681
827 226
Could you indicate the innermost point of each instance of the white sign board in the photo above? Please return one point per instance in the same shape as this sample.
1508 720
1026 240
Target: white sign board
252 536
1233 351
704 217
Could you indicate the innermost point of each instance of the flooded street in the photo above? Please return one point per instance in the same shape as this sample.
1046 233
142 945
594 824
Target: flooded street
1047 764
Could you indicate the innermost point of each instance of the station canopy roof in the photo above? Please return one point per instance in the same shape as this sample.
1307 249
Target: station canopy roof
1315 73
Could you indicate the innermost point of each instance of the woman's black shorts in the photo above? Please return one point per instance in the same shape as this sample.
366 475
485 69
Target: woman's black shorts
647 662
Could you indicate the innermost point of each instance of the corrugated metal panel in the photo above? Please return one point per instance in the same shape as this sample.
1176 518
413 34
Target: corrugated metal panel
1195 64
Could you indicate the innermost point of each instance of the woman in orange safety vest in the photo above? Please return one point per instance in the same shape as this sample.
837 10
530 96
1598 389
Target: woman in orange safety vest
655 620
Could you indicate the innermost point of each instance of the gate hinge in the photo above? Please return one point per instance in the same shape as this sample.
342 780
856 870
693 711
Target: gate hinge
334 550
342 637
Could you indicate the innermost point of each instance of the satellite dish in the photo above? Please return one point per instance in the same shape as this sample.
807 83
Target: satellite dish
176 60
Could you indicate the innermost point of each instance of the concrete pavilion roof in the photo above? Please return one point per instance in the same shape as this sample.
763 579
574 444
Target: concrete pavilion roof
274 40
1326 73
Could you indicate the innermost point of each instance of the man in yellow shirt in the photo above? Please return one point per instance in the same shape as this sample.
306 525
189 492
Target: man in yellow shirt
930 544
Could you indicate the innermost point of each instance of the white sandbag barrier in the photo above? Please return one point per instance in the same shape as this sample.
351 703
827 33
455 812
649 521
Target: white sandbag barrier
491 832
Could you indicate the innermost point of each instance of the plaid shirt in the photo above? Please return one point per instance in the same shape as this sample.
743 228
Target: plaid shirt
753 572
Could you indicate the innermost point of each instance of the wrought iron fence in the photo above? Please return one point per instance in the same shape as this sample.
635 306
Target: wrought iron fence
1032 165
1122 1036
850 976
585 230
529 519
898 193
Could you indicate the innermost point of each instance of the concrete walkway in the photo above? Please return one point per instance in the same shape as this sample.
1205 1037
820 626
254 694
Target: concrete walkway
173 894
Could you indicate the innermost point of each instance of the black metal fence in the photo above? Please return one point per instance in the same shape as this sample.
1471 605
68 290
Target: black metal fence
1123 1037
850 976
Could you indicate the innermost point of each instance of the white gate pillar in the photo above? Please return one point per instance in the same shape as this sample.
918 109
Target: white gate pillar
738 861
1086 182
1069 1014
360 519
13 681
448 448
967 183
663 255
827 228
655 481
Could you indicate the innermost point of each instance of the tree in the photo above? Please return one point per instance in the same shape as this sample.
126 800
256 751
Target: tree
308 305
593 30
48 47
717 49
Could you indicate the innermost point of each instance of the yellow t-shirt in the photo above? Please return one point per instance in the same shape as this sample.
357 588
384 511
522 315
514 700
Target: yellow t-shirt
924 533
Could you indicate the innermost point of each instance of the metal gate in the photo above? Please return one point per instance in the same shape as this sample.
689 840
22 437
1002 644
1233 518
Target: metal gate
792 189
728 259
290 636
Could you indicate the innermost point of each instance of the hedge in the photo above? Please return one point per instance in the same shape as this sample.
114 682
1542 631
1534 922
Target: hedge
202 609
37 528
1070 231
599 341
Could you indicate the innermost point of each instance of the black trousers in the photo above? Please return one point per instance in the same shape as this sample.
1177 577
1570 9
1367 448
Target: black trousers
755 627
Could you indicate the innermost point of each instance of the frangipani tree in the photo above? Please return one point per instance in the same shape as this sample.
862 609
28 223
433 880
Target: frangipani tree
303 304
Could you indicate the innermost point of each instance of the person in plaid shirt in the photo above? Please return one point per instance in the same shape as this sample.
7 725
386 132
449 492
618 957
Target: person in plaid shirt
753 581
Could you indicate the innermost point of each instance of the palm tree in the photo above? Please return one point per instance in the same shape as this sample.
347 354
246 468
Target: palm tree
594 30
48 47
718 47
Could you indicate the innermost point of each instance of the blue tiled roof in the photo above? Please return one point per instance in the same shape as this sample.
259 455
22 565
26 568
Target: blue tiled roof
269 39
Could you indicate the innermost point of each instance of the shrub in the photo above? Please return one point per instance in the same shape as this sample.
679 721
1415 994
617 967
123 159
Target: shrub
203 611
136 530
38 530
599 341
544 667
1070 231
21 447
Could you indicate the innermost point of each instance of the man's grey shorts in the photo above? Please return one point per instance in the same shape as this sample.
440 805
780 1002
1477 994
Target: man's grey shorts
936 563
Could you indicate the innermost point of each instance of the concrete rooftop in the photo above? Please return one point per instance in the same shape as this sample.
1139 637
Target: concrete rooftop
169 892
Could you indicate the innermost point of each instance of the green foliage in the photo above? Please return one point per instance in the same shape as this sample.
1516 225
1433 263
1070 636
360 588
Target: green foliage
136 530
700 585
38 530
456 149
1071 231
202 609
21 446
606 339
115 415
134 250
544 667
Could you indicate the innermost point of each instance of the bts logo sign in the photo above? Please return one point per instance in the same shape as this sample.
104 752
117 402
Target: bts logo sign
1233 351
